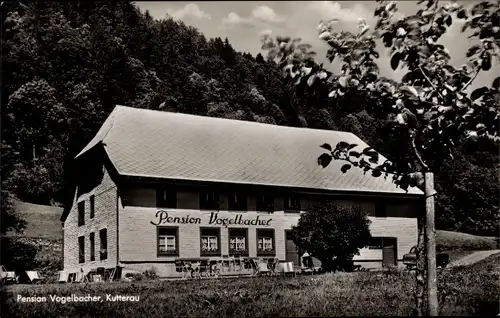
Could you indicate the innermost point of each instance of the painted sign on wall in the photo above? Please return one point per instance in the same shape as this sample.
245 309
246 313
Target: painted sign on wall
162 217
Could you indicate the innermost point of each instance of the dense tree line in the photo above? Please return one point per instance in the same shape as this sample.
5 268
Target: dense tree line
67 64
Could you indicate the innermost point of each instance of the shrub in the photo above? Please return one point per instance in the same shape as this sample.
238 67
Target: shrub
332 233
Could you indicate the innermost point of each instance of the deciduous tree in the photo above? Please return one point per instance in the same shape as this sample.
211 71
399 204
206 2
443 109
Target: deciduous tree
332 233
430 107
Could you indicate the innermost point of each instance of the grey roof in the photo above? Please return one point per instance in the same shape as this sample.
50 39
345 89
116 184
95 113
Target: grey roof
161 144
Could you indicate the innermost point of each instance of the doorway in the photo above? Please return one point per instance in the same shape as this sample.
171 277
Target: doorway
389 252
291 253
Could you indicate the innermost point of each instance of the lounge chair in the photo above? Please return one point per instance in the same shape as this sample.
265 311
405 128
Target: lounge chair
287 268
262 267
63 277
33 276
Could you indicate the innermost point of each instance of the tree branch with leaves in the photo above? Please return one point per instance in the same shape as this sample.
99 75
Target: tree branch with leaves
429 107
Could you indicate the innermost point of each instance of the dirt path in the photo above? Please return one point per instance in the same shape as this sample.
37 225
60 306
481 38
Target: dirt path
473 258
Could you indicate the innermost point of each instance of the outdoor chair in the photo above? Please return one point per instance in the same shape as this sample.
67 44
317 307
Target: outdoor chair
185 269
63 277
204 269
306 266
97 278
263 267
101 271
215 267
238 263
254 266
273 265
287 268
229 260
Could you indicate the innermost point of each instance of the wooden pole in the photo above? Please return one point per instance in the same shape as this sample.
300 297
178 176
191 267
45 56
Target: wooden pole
430 234
420 268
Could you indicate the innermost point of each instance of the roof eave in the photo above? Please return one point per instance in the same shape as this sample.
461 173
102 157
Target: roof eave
151 178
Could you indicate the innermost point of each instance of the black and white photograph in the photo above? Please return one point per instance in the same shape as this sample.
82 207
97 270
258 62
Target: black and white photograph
250 158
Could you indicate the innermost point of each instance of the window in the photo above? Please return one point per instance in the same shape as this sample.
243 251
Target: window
237 202
81 249
375 243
380 210
103 236
265 203
265 242
209 200
210 241
238 242
292 204
92 206
81 213
92 246
166 198
167 241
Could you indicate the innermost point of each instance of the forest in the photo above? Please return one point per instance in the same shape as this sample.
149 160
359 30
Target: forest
67 64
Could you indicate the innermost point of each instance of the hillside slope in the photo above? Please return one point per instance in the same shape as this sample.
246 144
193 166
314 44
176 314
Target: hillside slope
68 64
42 221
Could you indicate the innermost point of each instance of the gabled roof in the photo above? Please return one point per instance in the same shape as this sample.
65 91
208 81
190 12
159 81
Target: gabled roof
159 144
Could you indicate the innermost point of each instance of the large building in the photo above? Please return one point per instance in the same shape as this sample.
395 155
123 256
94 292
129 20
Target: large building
155 186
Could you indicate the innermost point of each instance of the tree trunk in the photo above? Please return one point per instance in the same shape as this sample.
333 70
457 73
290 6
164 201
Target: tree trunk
420 268
430 246
328 264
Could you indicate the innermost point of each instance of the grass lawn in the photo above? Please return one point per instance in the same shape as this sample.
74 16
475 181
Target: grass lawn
453 241
42 221
468 290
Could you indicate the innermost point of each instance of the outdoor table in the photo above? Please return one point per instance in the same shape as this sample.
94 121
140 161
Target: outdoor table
253 263
214 263
187 265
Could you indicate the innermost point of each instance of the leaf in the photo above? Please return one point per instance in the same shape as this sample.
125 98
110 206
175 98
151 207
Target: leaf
417 179
364 30
462 14
411 90
373 160
324 160
387 39
395 60
372 154
342 145
343 81
408 77
430 115
376 173
478 93
354 154
473 50
322 75
345 168
400 119
496 83
448 20
486 63
326 146
480 127
466 26
367 150
311 80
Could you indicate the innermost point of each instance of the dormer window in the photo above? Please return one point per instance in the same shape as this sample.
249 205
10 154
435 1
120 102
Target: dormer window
292 203
166 197
209 200
265 203
237 202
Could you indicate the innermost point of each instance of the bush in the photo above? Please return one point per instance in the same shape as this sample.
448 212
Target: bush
333 234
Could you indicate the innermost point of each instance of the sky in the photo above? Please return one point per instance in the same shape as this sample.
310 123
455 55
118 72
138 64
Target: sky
243 22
